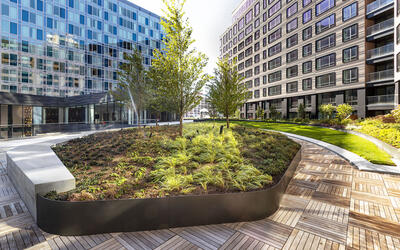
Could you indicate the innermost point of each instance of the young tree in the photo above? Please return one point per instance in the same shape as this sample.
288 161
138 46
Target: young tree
344 111
226 92
273 112
260 113
327 110
301 111
133 83
178 68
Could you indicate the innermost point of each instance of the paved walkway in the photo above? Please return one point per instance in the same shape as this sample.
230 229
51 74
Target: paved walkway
328 205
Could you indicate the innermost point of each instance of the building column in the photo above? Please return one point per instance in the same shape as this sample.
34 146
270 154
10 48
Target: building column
361 103
245 110
285 108
314 108
267 113
396 93
66 115
339 99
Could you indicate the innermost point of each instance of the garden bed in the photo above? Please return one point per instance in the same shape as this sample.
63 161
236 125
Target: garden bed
241 159
157 163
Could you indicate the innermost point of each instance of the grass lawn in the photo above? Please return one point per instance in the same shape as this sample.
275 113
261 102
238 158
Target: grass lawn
352 143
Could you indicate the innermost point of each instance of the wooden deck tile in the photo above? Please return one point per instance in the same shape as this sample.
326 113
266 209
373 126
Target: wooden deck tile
324 228
374 223
267 231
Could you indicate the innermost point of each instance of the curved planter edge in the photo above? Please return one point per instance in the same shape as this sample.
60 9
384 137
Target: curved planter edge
97 217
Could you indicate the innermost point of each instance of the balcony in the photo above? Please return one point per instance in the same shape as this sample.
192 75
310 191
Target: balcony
381 29
381 54
381 76
378 7
380 99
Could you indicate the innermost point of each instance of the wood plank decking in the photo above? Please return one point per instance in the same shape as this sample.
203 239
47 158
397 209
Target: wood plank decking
328 205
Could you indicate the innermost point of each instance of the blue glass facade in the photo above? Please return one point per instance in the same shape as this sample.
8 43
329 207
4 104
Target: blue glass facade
71 47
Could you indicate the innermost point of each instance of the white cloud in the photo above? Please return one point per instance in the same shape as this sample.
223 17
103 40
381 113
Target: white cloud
209 19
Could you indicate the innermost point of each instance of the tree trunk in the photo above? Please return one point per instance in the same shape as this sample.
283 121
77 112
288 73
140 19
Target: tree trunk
227 121
181 125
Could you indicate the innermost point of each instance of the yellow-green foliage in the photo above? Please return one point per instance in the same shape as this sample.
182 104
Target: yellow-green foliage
213 159
387 132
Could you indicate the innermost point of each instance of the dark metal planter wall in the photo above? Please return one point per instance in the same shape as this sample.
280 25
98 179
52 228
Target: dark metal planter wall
96 217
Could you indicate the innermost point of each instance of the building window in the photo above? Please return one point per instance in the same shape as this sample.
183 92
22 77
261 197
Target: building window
325 24
307 67
325 43
277 48
307 16
307 33
398 33
306 2
291 10
275 35
275 63
398 62
350 54
324 6
307 50
351 97
324 81
249 17
265 79
275 22
350 11
325 61
257 93
292 71
351 32
292 41
256 82
274 9
291 87
264 92
307 84
292 56
292 25
275 90
350 75
274 77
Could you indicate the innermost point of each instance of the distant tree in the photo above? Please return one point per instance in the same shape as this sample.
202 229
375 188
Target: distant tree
301 111
212 111
273 112
260 113
226 92
178 68
344 111
327 110
133 83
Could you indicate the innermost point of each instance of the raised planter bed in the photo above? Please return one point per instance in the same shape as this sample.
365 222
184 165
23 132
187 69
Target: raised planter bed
96 217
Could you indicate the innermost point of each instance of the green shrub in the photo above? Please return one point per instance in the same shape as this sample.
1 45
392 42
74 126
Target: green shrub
396 113
387 132
344 111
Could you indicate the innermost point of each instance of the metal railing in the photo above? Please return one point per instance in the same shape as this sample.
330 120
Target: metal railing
378 4
385 25
385 50
380 99
381 75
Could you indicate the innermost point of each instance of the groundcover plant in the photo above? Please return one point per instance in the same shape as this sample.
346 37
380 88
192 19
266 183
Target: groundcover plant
128 164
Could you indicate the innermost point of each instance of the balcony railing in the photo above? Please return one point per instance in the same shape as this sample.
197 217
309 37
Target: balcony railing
380 99
385 50
385 25
378 4
381 75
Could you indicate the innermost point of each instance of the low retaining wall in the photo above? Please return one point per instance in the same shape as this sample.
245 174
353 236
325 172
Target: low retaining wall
96 217
36 170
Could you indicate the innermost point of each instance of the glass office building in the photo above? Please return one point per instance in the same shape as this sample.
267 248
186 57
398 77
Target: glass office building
59 58
71 47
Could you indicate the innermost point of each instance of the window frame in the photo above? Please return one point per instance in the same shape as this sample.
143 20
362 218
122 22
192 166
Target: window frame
350 80
351 59
350 5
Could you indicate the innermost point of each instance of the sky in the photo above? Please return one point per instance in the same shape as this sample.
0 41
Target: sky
209 19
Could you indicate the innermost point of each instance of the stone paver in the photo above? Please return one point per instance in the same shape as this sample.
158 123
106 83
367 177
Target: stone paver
329 204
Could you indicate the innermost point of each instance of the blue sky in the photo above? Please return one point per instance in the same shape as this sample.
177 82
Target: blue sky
209 19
